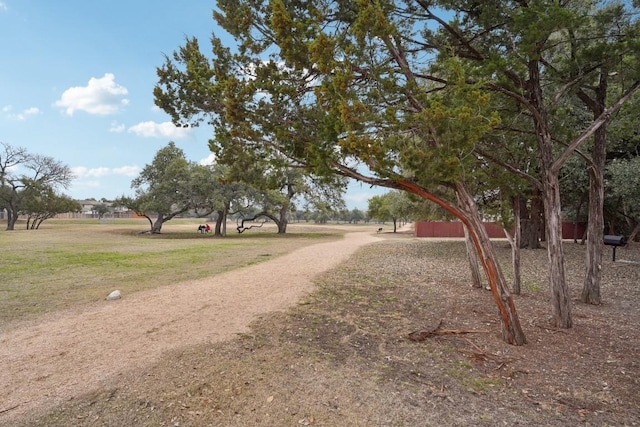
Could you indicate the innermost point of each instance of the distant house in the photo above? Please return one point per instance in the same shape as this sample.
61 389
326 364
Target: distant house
87 205
89 208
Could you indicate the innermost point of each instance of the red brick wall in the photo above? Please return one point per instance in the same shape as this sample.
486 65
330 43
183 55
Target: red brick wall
451 229
454 229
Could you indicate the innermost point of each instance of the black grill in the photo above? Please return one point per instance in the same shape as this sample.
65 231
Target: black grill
615 241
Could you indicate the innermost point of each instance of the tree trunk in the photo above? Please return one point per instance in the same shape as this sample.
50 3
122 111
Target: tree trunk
224 222
282 226
282 222
218 227
221 221
593 260
515 242
467 213
560 301
549 172
634 232
12 218
511 328
472 256
157 225
530 222
516 287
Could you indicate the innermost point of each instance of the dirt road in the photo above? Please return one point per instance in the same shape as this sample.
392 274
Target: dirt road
72 353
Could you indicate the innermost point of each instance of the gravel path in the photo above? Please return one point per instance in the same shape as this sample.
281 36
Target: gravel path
69 354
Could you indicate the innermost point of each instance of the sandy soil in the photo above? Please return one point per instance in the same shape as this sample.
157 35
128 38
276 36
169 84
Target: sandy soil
69 354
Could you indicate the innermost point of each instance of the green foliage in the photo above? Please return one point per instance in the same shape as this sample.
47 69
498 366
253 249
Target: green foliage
624 131
40 202
377 209
325 84
272 107
625 182
160 186
394 206
101 209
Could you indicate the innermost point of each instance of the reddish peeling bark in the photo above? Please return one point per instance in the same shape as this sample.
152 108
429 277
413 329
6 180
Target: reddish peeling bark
468 214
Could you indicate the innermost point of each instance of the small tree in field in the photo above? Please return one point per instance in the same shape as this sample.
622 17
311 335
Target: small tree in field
40 203
101 209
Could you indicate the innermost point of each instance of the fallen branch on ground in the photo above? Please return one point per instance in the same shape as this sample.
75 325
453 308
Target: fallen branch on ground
481 355
423 335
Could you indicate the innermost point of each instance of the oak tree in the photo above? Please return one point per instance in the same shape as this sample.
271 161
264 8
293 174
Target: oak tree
162 188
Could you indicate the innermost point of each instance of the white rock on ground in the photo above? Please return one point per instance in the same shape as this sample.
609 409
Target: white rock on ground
114 295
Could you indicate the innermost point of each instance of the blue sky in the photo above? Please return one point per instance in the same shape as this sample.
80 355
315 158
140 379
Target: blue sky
76 84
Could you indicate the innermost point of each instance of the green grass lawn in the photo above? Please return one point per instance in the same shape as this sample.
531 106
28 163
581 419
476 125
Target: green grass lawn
68 263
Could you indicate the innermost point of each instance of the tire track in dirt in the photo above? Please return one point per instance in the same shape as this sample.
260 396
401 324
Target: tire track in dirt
69 354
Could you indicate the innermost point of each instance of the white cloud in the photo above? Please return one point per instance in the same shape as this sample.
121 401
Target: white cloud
26 113
209 160
3 6
116 127
101 96
21 116
82 172
127 170
159 130
12 170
